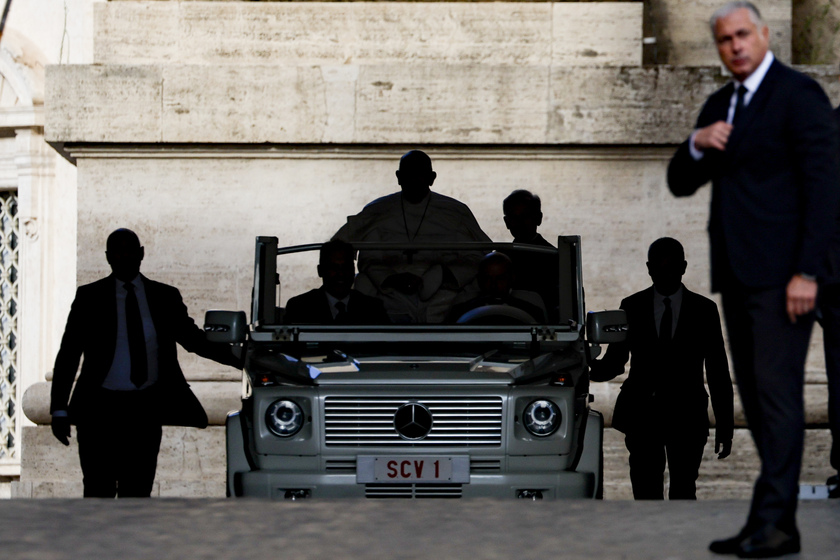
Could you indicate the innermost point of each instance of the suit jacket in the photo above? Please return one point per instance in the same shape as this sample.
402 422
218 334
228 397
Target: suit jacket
832 272
775 188
538 273
664 388
92 331
313 308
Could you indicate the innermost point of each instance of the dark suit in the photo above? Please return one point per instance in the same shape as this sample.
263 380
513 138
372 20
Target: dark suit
313 308
537 272
663 403
107 420
829 318
774 203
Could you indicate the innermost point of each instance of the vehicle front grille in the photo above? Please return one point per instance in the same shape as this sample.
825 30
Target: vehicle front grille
408 491
369 421
485 465
340 466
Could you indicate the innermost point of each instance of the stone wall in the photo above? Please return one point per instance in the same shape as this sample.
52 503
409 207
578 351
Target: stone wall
204 124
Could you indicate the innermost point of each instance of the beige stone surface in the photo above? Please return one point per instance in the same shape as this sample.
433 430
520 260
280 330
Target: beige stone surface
191 463
726 479
217 398
316 33
815 32
394 104
198 213
105 102
684 38
379 104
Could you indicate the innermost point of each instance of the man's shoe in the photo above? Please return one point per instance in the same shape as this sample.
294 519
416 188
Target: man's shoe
833 484
768 542
731 545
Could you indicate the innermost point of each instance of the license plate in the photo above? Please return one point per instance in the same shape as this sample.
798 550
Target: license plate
412 469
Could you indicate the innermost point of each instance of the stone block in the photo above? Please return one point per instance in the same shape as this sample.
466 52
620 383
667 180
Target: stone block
597 33
448 104
656 105
683 36
104 102
359 33
394 104
375 104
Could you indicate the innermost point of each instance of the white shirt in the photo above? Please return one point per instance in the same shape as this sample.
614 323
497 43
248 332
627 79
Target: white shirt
751 84
119 376
332 300
659 309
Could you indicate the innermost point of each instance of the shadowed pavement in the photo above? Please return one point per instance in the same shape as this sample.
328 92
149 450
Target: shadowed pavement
218 528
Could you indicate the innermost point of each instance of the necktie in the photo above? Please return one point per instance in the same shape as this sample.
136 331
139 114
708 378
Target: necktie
739 105
136 338
341 316
666 324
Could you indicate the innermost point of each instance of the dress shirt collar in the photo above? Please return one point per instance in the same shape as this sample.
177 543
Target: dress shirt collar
676 297
137 283
332 300
754 80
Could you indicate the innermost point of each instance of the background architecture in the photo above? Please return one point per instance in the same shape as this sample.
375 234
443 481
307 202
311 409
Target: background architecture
201 125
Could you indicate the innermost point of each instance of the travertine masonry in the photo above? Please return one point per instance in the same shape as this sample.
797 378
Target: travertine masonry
393 104
318 33
683 36
191 463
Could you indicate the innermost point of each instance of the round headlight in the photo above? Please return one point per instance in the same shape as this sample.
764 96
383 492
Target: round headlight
542 417
284 418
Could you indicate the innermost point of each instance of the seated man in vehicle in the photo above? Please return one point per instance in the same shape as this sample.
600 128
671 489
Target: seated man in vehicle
535 272
335 302
496 279
416 287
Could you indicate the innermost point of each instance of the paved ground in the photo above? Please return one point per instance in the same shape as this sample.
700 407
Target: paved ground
186 529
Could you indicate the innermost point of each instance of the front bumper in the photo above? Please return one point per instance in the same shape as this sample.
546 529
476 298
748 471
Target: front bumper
275 485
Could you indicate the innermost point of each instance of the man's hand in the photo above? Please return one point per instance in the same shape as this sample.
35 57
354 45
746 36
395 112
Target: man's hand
723 448
801 296
61 429
715 136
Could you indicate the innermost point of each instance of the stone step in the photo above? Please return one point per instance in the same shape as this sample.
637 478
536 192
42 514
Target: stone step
730 478
318 33
192 464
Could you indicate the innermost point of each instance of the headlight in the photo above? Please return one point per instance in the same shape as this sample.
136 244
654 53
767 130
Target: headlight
284 418
542 417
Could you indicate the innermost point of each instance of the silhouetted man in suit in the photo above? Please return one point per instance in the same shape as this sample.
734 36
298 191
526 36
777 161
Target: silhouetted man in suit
496 279
417 287
535 272
662 407
828 314
126 326
335 302
769 144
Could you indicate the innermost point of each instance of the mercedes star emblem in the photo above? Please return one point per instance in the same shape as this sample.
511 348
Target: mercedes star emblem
413 421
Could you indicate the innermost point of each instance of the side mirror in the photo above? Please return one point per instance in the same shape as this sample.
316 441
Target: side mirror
605 327
227 327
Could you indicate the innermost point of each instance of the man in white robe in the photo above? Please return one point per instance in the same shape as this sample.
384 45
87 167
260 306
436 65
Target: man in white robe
416 288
